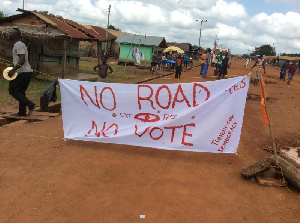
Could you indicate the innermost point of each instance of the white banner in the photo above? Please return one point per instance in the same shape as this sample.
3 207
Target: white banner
199 117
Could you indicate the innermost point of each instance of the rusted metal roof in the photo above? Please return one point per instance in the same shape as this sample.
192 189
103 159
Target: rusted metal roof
62 26
73 29
102 32
59 24
90 31
116 33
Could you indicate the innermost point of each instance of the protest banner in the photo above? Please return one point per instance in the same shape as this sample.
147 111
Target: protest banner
199 117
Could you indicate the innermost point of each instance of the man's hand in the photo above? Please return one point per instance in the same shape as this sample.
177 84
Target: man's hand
11 73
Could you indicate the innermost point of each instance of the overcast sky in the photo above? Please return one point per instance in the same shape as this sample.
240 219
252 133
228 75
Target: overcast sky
240 25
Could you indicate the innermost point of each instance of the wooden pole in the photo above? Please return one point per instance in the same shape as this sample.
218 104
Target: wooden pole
98 52
64 59
106 43
130 46
270 127
145 51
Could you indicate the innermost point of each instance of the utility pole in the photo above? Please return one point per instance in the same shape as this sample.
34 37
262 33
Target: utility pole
23 5
200 31
107 30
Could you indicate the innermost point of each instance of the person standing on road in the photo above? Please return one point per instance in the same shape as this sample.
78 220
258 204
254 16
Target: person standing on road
258 70
264 66
186 60
202 62
174 57
291 72
19 85
219 64
283 70
224 66
178 66
206 62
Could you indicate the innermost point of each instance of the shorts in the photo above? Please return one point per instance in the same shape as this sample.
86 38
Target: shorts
259 70
290 75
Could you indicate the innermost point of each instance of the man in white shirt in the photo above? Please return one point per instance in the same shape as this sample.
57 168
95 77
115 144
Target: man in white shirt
19 85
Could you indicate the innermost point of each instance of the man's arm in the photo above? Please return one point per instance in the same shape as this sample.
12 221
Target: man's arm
254 64
19 64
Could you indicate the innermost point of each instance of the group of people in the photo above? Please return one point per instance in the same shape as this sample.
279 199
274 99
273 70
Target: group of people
175 60
19 85
259 65
287 68
221 66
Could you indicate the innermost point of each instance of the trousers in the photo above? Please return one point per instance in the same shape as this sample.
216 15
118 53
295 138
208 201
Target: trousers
205 70
17 89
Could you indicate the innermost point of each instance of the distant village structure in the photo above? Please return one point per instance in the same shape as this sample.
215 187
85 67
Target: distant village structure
146 45
55 44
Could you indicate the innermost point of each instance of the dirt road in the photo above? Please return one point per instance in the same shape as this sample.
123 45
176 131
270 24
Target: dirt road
45 179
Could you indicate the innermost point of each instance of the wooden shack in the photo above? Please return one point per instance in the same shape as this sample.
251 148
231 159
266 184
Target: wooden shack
53 45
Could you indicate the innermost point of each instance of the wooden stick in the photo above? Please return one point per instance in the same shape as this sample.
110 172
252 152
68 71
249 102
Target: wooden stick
270 127
64 59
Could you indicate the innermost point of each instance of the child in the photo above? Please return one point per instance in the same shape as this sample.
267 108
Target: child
102 70
178 66
291 72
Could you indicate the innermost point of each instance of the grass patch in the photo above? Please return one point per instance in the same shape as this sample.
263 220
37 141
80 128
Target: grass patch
121 74
34 92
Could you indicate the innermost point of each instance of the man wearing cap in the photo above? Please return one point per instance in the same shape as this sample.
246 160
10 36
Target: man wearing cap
206 62
19 85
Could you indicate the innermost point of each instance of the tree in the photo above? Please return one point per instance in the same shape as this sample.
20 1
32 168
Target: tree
44 12
266 50
2 15
112 27
291 55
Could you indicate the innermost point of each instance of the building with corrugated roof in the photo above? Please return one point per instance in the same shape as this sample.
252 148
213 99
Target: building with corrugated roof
52 42
147 45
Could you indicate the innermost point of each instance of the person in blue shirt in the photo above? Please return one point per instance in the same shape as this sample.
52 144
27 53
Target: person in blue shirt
185 61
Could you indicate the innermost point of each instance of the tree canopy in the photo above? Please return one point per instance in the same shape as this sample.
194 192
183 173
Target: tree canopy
291 54
2 15
112 27
266 50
